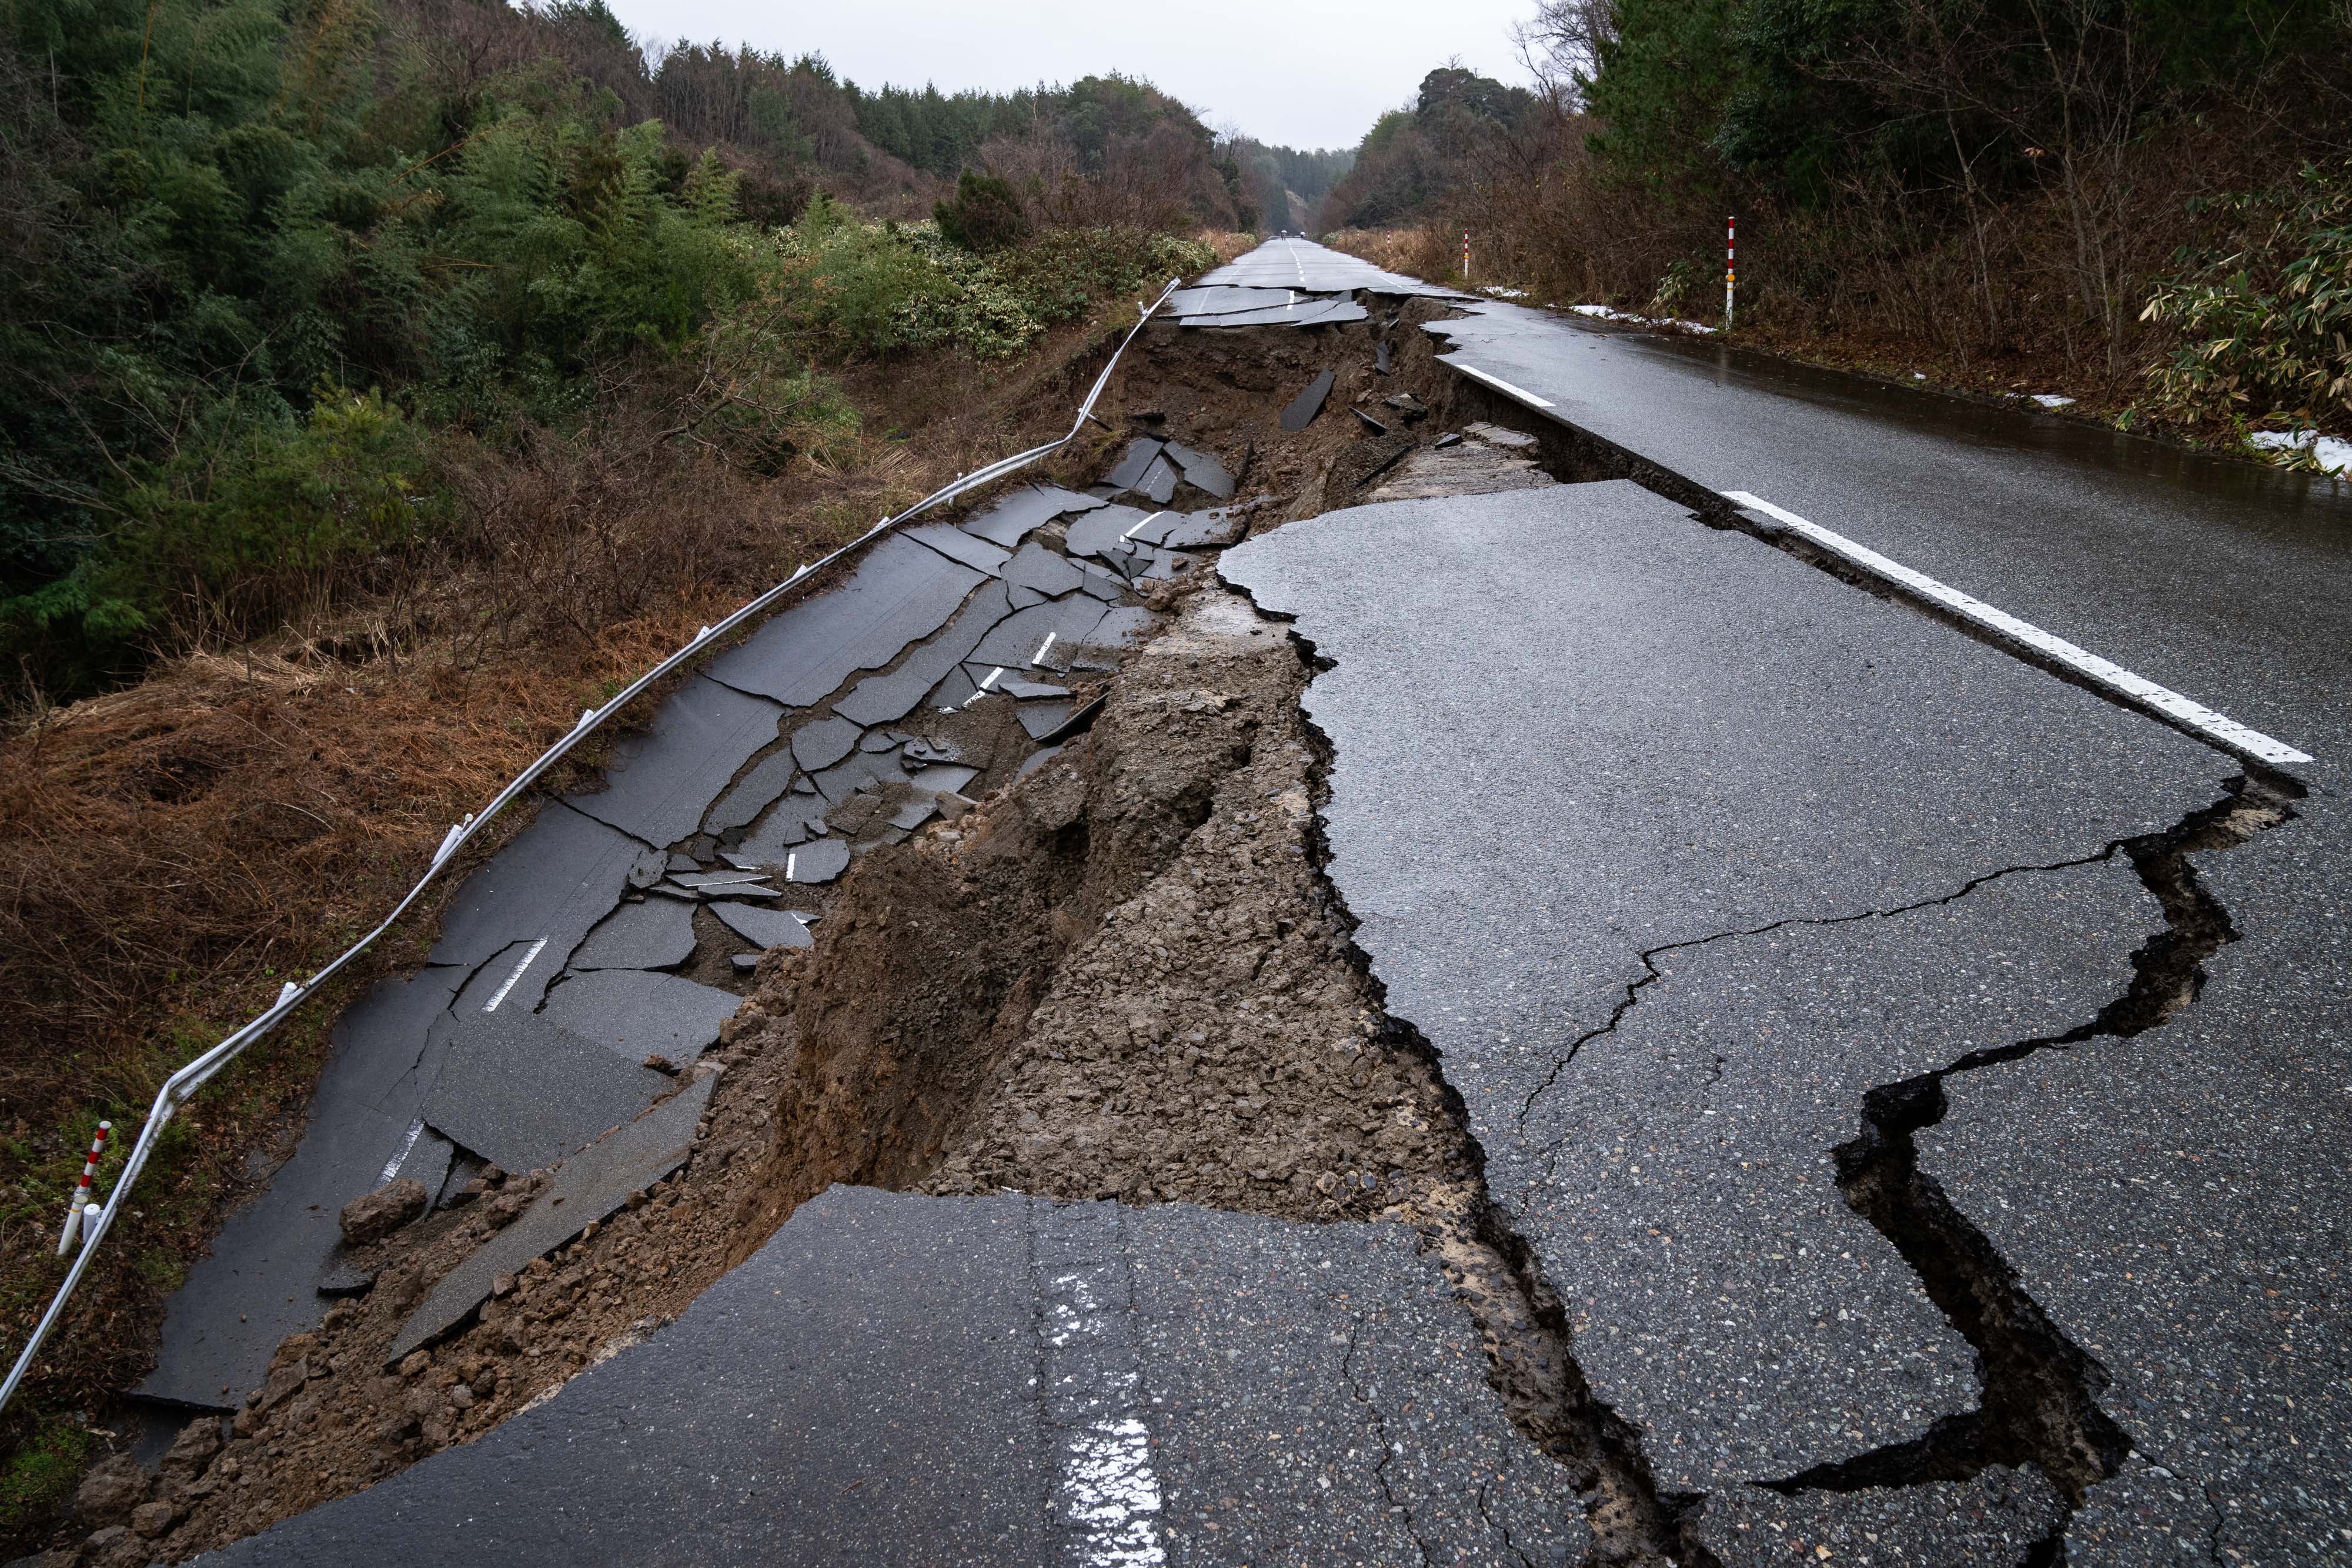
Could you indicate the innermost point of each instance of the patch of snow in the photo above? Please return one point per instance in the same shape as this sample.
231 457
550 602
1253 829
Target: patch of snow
2052 400
1918 375
1606 314
2332 454
1499 292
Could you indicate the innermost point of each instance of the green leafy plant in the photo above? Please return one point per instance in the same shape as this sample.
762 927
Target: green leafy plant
2267 328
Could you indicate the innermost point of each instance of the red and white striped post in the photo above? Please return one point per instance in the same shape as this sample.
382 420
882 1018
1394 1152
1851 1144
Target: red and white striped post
1466 256
1730 259
82 1196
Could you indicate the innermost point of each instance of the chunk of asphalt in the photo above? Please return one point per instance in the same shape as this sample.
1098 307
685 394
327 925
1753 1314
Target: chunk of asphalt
862 768
656 935
721 890
646 869
524 1093
1308 404
660 782
751 794
1369 422
254 1286
1201 471
1448 439
1041 719
1015 686
1073 723
1121 627
1019 641
918 808
764 928
1306 313
744 963
1106 531
640 1015
1159 482
706 882
1035 567
629 1159
952 542
901 592
557 878
1381 360
819 860
946 778
1225 299
885 699
674 863
1128 471
1199 530
822 743
1012 519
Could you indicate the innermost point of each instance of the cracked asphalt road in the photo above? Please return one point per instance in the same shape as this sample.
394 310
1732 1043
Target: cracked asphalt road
1675 849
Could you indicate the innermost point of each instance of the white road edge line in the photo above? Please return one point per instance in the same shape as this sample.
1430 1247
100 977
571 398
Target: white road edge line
1499 385
536 948
392 1167
2196 715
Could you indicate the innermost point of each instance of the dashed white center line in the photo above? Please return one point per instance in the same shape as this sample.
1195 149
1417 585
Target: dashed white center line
2220 727
1141 522
392 1166
536 948
990 681
1039 657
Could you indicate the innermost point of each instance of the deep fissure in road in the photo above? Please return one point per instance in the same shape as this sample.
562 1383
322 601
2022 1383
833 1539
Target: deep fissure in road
2040 1390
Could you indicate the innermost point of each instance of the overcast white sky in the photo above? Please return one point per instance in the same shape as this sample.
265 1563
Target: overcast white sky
1290 74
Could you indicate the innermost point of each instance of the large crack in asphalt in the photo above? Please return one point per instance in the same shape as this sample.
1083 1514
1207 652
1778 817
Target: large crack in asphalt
2040 1401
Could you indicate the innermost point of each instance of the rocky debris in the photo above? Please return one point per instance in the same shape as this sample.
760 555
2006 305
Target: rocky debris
111 1491
378 1214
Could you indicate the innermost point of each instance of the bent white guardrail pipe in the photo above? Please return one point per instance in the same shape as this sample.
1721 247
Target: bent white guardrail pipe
178 1088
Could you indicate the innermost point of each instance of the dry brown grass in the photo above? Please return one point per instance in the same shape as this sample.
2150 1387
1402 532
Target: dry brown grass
171 853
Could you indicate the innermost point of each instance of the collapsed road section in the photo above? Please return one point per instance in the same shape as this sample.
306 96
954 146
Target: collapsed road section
1365 1062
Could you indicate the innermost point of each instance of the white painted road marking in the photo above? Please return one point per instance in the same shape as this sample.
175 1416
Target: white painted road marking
492 1006
2196 715
1039 657
1499 385
392 1166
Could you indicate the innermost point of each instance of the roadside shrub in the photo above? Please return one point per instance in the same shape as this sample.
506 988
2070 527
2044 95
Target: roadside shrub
985 216
250 518
855 288
2268 327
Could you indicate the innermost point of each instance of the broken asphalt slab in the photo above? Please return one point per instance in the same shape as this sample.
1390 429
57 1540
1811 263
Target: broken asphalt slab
662 779
998 1380
658 933
524 1093
257 1283
1021 512
555 880
1302 409
639 1015
901 591
590 1185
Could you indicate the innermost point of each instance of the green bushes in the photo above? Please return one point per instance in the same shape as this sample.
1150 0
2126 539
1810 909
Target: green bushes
250 518
867 288
984 216
2268 327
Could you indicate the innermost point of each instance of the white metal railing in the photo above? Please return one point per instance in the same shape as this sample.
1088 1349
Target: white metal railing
181 1085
